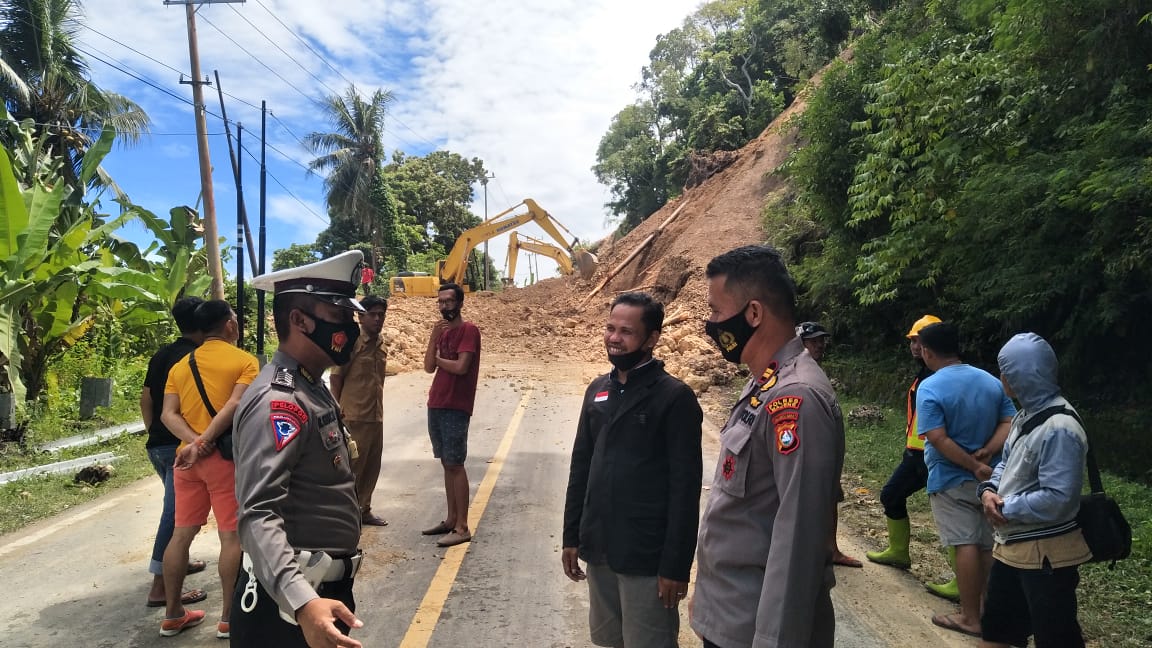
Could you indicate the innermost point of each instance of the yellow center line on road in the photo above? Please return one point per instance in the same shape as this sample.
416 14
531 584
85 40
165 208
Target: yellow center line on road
428 614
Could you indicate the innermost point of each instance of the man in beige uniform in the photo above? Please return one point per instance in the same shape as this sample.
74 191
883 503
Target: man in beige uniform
764 570
299 519
359 386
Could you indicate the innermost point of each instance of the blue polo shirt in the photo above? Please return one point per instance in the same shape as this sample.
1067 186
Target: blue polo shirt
968 403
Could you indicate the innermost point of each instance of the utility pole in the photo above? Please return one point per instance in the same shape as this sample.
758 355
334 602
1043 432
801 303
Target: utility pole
211 238
240 227
259 270
487 260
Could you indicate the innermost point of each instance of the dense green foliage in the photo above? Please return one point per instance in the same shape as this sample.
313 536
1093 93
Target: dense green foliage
989 162
713 84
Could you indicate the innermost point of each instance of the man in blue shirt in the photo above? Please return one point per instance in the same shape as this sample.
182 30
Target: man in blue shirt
965 417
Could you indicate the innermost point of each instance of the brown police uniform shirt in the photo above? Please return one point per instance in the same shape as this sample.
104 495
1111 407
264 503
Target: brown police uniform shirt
361 396
762 560
294 479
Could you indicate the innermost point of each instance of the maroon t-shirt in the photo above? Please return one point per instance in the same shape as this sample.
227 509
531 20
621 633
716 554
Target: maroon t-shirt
450 391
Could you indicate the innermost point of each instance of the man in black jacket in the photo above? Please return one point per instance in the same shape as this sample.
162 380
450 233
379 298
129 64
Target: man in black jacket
633 501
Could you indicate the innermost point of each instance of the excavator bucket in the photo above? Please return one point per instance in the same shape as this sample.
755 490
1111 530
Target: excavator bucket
586 263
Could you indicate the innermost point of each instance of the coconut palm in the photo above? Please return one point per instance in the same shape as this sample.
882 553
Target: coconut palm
45 78
353 154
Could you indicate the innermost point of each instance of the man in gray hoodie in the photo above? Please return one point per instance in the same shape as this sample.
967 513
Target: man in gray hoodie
1032 500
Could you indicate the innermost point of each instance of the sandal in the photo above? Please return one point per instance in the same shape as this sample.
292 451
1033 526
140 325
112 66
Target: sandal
196 566
948 622
439 529
187 598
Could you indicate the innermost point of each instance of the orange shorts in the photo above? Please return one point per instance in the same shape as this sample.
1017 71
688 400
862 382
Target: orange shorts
209 484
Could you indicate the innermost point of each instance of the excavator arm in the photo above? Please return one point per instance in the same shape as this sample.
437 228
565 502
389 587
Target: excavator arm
454 267
562 258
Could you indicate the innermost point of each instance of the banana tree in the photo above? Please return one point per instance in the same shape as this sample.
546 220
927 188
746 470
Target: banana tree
57 266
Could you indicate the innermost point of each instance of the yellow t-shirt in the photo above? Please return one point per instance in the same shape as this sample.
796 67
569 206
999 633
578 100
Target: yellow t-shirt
222 366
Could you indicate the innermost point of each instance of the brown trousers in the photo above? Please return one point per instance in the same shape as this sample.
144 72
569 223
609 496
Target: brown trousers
369 438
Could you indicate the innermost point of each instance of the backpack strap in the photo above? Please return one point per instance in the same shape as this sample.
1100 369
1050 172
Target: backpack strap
1043 415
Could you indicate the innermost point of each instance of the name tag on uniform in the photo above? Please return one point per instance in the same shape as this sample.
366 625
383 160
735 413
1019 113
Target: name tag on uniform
601 397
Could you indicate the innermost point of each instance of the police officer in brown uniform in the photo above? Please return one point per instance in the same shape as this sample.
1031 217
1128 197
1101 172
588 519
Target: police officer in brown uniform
764 570
299 518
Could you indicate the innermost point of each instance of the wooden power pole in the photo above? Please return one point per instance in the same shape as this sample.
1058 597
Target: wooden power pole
211 237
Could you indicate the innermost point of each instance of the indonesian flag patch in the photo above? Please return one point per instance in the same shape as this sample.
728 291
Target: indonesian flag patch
600 397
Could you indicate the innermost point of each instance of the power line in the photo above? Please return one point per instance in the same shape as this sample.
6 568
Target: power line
257 59
150 133
286 189
305 43
143 79
129 47
277 46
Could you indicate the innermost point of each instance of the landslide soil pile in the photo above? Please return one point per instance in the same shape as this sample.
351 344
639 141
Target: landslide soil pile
556 319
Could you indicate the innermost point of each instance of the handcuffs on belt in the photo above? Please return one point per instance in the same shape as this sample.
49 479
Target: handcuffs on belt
315 566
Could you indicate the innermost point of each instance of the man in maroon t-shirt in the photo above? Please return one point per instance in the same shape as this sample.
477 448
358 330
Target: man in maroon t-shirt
453 354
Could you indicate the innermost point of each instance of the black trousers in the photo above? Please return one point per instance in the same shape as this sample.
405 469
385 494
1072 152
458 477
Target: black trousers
909 477
1036 602
263 626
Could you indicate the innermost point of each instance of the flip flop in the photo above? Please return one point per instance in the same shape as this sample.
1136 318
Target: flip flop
188 598
846 561
196 566
948 622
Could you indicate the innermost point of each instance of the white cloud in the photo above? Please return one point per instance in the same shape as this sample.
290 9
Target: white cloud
529 87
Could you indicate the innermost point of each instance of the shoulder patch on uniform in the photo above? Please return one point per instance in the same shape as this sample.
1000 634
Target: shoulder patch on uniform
284 379
787 437
285 428
290 408
785 403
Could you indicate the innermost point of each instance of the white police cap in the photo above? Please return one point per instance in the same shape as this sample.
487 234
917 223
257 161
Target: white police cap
333 280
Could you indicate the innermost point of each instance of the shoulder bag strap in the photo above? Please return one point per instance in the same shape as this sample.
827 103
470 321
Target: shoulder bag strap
200 384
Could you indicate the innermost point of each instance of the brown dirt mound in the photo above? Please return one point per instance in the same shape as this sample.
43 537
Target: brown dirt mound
556 318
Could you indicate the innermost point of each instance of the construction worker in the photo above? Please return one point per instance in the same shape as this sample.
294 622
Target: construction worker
909 478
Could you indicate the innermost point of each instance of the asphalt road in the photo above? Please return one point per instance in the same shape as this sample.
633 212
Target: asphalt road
80 578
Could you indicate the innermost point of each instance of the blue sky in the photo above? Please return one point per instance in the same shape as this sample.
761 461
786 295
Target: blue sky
529 87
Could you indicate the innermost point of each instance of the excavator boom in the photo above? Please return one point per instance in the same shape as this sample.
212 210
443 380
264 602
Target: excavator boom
454 268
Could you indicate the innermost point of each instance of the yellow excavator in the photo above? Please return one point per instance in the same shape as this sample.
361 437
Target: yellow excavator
454 268
530 244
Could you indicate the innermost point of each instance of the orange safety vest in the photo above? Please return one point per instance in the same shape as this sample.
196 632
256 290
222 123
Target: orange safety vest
914 441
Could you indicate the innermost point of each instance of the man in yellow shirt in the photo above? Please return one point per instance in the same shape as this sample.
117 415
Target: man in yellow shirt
200 397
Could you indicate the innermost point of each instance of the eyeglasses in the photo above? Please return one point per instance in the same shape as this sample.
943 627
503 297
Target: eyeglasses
445 302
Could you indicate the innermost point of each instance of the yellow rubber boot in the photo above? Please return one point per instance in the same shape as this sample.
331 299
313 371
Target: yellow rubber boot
896 555
949 590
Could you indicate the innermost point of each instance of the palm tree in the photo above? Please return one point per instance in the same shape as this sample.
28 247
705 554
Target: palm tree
43 77
352 156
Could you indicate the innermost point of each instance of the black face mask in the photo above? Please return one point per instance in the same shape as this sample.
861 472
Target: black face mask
337 340
731 335
626 361
450 314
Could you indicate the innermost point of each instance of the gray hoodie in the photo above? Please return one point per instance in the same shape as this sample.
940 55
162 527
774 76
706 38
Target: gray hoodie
1041 474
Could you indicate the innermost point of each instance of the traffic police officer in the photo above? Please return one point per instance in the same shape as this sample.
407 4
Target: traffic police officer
299 519
764 570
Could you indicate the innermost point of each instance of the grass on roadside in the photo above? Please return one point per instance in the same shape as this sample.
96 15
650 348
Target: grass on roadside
29 500
1114 602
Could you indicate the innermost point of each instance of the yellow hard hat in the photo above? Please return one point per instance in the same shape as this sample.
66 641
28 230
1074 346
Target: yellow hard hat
921 323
